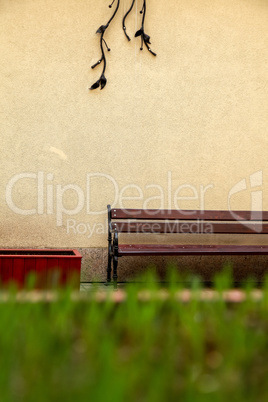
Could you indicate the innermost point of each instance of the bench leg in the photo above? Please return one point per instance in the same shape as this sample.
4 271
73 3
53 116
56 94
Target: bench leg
109 268
115 258
115 263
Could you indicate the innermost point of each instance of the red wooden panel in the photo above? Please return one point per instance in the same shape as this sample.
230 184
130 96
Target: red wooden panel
50 266
53 272
18 271
6 270
64 270
189 249
189 227
173 214
41 273
29 267
74 273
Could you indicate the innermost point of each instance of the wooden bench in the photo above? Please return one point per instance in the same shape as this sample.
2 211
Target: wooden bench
138 221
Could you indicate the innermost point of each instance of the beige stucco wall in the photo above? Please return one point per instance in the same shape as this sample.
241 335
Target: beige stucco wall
196 114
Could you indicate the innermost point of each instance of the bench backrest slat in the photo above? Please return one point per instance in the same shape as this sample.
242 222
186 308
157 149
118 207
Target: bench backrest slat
173 214
189 227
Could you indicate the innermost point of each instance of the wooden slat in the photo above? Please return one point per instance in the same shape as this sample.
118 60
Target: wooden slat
74 273
190 227
41 273
29 267
18 271
53 273
189 249
6 270
210 215
64 270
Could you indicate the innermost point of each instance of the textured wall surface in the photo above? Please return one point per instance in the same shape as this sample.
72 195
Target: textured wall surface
195 115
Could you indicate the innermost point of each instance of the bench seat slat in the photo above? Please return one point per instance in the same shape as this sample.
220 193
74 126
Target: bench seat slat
189 227
173 214
189 249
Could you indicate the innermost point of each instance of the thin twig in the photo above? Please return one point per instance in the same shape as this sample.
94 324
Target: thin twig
124 19
102 80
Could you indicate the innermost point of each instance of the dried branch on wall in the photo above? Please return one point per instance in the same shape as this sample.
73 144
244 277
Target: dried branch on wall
124 19
145 39
102 80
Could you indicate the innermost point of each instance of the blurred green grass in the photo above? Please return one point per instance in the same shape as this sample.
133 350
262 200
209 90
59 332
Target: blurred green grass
154 350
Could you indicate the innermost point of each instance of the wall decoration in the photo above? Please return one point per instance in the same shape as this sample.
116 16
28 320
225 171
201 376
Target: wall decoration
145 39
